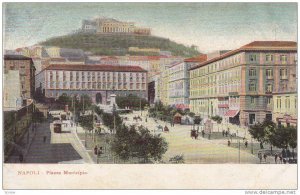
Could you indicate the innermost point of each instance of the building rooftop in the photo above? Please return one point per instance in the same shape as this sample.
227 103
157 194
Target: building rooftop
255 46
200 58
101 67
16 57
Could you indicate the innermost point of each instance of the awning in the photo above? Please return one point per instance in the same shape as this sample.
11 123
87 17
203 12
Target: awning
287 120
182 106
223 106
231 113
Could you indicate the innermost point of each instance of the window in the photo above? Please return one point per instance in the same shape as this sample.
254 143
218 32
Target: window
77 76
64 76
287 102
283 73
252 72
252 58
269 88
51 76
269 73
251 119
279 102
252 87
269 100
268 117
252 100
269 58
283 58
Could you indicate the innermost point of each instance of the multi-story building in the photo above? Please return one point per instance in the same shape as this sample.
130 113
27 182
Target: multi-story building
26 73
239 85
12 98
149 63
110 25
179 86
98 81
164 85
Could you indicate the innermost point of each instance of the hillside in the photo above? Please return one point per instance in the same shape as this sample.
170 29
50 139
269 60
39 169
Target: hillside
118 44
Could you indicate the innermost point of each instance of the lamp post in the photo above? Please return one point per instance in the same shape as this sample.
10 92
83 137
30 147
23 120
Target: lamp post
239 152
251 146
141 102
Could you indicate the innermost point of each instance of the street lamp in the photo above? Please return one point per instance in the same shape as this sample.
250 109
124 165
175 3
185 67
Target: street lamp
239 152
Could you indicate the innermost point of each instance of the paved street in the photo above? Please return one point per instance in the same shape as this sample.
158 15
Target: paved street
201 150
50 147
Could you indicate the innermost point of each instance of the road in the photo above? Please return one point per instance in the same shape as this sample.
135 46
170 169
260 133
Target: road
50 147
201 150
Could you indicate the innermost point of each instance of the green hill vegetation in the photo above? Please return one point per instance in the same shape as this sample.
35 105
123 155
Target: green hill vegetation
119 44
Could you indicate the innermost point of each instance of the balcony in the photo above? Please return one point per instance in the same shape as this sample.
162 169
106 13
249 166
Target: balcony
269 92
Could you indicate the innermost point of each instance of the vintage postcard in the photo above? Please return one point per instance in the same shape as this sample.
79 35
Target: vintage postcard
150 95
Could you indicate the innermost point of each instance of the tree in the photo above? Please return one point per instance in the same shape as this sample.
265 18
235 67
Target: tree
197 120
283 137
64 99
109 121
217 118
131 101
133 142
86 121
258 133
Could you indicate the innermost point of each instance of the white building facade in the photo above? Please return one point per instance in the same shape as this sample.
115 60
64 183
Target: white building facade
97 81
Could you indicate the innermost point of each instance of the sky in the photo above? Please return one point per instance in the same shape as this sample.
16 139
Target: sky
210 26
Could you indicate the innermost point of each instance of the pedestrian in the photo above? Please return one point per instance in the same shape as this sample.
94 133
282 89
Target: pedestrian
260 157
288 154
146 119
280 158
246 144
203 133
283 152
226 133
276 156
223 132
45 138
21 158
209 136
265 157
228 143
261 145
95 150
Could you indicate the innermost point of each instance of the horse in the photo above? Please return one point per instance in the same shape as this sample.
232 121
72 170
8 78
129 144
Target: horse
166 129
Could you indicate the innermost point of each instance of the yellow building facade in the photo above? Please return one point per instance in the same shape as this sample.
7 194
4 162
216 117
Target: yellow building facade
285 109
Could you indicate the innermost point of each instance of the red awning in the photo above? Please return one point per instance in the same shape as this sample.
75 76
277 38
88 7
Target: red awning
223 106
231 113
182 106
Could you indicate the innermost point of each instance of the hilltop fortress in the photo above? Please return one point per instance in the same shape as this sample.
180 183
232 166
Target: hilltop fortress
112 26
